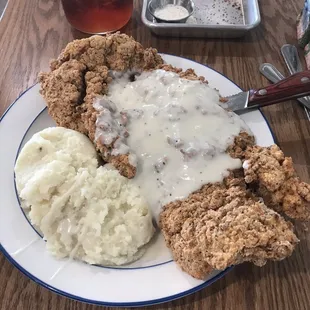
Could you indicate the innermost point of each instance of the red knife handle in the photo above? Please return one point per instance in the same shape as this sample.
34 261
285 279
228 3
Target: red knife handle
295 86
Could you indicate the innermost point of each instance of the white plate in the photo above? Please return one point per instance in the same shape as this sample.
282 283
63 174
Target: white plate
153 279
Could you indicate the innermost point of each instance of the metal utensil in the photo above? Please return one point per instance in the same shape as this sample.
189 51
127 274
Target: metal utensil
156 4
295 86
3 6
292 60
271 73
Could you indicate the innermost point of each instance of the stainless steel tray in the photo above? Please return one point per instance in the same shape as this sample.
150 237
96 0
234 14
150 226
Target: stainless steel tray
251 20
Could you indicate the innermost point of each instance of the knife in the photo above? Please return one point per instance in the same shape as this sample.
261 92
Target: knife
293 63
271 73
295 86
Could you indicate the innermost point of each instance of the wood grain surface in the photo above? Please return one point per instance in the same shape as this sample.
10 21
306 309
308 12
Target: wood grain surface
33 31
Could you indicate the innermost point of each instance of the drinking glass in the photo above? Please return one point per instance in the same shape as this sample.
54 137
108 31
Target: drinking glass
98 16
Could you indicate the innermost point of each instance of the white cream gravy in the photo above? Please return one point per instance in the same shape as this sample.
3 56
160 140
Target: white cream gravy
176 133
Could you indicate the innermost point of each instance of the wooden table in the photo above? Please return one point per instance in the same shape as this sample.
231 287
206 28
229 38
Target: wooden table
34 31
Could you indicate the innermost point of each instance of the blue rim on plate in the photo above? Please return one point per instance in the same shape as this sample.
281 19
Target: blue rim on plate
123 304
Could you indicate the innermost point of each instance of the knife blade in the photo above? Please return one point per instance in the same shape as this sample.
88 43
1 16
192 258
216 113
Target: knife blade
295 86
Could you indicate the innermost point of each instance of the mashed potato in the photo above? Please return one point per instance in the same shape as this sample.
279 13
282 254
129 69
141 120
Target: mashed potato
93 214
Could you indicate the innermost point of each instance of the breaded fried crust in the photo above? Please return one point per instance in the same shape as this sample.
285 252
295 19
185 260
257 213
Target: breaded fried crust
272 176
223 224
81 73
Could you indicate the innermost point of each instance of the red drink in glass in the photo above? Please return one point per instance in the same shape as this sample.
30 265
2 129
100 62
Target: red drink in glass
98 16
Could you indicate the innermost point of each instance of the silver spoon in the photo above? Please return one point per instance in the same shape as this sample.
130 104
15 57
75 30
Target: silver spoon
292 60
271 73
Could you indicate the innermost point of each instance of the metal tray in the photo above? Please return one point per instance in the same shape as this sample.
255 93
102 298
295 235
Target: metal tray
251 20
